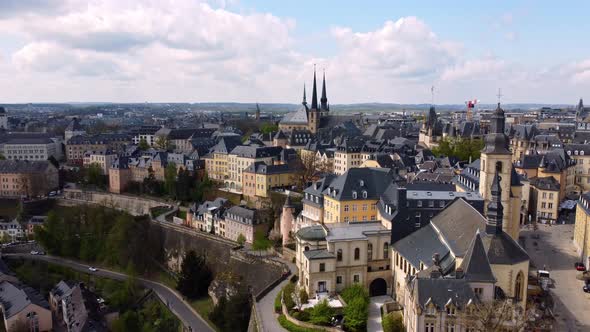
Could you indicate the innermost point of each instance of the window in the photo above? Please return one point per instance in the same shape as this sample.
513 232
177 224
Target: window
450 310
369 251
339 279
478 291
322 267
429 327
356 278
354 195
306 248
385 250
543 205
550 205
450 327
419 203
430 203
345 219
544 195
339 255
357 254
346 208
353 207
550 195
354 219
365 207
364 218
442 204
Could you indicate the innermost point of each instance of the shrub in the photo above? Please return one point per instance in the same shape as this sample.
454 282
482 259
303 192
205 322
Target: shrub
288 295
393 322
355 315
354 291
303 316
321 314
303 296
278 306
287 325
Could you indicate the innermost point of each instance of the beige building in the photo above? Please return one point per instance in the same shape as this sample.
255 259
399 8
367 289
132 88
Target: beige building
259 179
104 159
244 221
242 156
27 178
24 307
333 257
580 153
545 199
216 163
582 229
349 155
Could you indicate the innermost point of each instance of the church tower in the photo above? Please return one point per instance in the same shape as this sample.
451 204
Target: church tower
314 112
324 107
496 160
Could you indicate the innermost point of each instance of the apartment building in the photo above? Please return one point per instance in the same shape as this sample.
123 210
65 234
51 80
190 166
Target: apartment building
32 148
20 178
259 179
240 220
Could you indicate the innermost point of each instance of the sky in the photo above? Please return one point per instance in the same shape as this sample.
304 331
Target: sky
265 51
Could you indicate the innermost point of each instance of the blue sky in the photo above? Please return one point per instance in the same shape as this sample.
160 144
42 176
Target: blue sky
260 50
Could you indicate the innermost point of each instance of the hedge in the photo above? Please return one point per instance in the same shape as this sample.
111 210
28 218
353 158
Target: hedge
278 305
287 325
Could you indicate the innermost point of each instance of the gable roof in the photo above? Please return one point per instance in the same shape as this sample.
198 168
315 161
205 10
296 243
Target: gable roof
372 181
476 265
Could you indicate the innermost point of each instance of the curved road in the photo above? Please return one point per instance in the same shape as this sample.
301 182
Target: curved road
174 301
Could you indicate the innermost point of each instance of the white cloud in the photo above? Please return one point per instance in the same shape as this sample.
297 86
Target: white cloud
187 50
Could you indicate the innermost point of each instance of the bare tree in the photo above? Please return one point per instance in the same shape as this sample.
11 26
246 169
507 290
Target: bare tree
502 315
305 169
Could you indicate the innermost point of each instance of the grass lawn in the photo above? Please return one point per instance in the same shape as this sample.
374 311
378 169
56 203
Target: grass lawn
204 306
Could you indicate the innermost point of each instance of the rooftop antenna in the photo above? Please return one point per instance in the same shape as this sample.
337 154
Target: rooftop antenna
499 95
432 95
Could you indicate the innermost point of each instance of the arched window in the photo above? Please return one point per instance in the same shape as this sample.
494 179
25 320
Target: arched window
339 255
357 254
385 250
369 251
306 248
518 287
499 166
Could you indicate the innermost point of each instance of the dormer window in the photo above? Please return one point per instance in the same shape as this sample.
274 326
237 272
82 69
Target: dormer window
354 195
362 183
581 153
451 310
364 194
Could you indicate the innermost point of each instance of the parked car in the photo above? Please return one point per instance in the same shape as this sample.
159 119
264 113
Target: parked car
580 266
41 253
586 288
33 252
92 269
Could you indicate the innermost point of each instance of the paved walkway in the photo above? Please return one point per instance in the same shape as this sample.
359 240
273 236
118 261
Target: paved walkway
266 305
554 249
374 323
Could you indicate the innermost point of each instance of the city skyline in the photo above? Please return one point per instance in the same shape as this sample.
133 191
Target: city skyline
258 51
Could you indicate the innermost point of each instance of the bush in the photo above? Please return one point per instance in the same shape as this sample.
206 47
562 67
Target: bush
303 316
288 296
278 306
287 325
303 296
357 308
321 313
393 322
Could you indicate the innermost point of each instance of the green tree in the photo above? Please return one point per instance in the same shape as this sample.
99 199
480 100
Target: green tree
393 322
268 128
163 143
321 314
129 321
94 176
143 144
195 276
261 241
241 239
355 315
170 179
232 314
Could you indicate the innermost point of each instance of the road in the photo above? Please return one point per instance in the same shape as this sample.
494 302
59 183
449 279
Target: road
174 301
555 251
266 306
374 321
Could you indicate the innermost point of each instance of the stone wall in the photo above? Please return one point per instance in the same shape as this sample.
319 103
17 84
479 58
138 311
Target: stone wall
133 205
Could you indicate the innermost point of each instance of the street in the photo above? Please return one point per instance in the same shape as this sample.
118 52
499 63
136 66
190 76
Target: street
555 251
266 304
180 308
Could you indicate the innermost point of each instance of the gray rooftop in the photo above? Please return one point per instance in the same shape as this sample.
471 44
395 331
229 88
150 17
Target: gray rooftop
354 231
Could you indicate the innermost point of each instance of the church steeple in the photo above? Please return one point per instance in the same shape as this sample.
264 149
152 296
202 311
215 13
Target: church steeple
314 93
324 100
495 212
496 141
304 102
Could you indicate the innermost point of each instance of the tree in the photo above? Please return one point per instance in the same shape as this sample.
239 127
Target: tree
94 175
195 276
321 314
232 314
268 128
162 142
241 239
299 296
306 168
170 179
393 322
497 314
261 242
143 144
355 314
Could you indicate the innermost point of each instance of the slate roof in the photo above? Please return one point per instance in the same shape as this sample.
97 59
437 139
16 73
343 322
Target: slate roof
226 144
74 125
256 152
262 168
555 161
457 223
23 166
421 245
529 161
439 291
577 149
372 181
318 254
242 215
312 233
15 299
297 117
354 231
502 249
29 140
545 183
476 265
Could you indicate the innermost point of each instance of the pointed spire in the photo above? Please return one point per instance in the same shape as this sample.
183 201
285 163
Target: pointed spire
324 99
314 93
304 102
495 209
581 105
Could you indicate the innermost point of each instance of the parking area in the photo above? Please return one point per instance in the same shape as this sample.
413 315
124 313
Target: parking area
551 247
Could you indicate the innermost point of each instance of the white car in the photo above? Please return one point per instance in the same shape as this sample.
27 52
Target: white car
92 269
33 252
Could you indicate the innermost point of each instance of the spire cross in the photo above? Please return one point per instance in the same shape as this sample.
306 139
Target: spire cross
432 95
499 95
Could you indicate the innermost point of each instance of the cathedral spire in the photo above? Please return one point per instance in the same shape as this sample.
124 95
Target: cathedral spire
314 93
324 99
495 209
304 102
